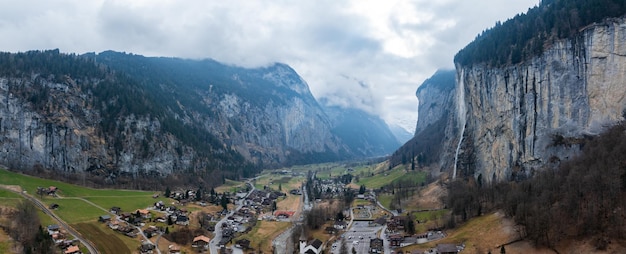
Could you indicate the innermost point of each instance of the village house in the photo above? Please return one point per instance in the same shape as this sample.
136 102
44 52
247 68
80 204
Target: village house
340 225
174 249
395 240
243 244
376 245
116 210
182 220
73 249
104 218
201 242
315 247
145 214
146 248
53 229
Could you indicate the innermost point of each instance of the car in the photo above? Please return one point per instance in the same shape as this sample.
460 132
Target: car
360 237
349 237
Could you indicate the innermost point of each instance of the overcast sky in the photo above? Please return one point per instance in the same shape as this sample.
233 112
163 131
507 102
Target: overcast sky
369 54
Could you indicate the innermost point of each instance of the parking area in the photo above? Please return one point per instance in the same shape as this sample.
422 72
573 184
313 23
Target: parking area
358 236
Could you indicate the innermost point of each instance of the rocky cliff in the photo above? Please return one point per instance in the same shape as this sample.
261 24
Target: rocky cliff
115 114
436 132
521 117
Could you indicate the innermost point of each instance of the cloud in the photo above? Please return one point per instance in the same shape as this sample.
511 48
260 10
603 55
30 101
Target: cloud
367 54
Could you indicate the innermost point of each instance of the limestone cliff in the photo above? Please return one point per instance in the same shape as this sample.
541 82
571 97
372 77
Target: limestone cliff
436 132
524 116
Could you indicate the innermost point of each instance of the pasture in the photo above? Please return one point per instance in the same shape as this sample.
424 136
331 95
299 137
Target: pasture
107 240
264 232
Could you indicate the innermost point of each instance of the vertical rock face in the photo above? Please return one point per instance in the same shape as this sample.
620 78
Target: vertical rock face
528 115
437 130
118 114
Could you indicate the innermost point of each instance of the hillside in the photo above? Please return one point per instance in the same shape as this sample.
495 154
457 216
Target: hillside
113 117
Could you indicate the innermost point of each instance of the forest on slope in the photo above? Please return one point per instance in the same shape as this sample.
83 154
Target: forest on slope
583 197
528 34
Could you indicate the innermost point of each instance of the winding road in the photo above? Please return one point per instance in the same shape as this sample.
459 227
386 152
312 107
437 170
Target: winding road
92 249
213 244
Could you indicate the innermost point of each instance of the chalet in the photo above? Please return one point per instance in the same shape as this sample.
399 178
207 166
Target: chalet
104 218
395 240
73 249
201 241
126 216
174 249
144 213
58 238
243 244
182 220
113 224
52 190
340 225
376 245
315 247
447 248
147 248
283 214
380 221
116 210
53 229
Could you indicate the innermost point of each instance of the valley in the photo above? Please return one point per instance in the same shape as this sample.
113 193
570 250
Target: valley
82 209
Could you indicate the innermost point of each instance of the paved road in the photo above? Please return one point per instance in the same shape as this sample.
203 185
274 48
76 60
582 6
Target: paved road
217 234
92 249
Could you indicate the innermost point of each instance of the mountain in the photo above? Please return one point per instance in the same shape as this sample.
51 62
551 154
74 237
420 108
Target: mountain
521 116
121 116
436 128
365 134
401 134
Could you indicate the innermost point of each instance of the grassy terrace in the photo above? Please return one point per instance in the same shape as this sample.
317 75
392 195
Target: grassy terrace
264 232
129 200
382 178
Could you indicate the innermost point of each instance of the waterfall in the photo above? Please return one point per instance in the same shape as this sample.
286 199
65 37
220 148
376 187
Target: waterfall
462 112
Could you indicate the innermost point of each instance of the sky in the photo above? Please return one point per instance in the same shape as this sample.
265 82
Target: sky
366 54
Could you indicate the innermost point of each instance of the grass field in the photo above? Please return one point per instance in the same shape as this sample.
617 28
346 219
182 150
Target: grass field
8 198
385 200
381 179
264 232
128 204
75 210
230 186
30 184
480 235
106 240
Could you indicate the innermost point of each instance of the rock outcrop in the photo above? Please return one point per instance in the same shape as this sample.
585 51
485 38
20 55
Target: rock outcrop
520 118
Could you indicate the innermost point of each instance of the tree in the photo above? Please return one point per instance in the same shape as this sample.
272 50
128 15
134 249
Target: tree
199 194
167 230
168 192
353 250
362 189
224 202
280 187
344 248
339 216
502 250
410 227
